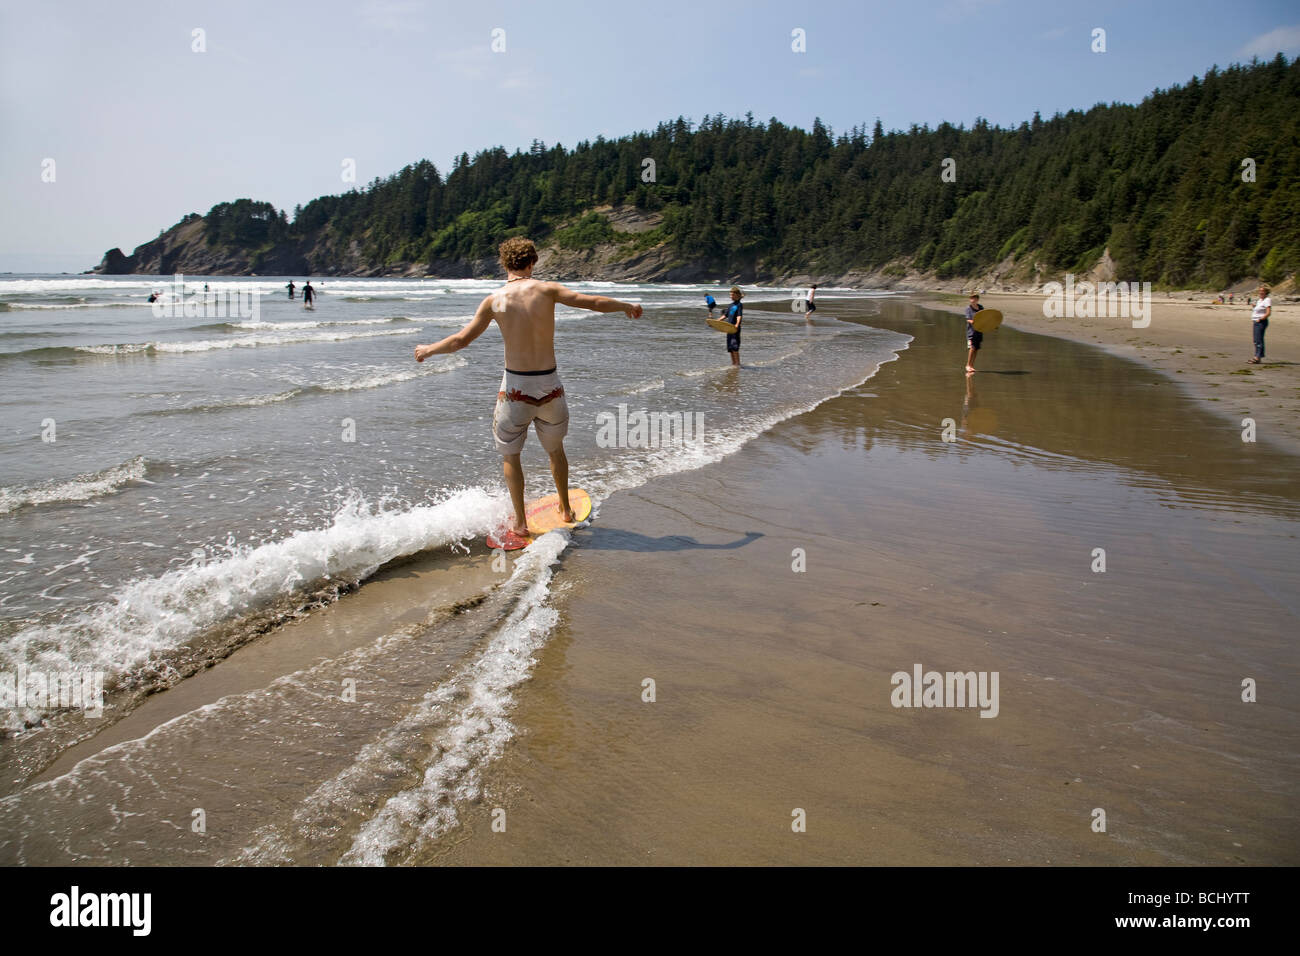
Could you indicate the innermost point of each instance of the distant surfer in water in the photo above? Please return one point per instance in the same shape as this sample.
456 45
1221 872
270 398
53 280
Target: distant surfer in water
735 311
973 338
530 392
710 303
290 287
308 296
809 305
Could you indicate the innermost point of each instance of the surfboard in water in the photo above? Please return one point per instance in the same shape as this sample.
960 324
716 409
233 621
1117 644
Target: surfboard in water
543 515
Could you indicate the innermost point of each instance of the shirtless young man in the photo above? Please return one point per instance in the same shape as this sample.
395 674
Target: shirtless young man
530 389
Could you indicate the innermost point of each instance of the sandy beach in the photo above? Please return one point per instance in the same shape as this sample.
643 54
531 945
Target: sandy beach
921 519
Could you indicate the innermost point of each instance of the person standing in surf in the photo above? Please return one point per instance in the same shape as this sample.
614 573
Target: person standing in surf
531 391
809 305
308 296
290 287
973 338
735 312
710 303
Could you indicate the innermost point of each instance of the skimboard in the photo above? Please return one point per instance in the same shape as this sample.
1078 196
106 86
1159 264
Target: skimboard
721 326
986 320
543 515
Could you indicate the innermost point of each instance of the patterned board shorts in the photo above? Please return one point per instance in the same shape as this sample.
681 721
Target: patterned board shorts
525 398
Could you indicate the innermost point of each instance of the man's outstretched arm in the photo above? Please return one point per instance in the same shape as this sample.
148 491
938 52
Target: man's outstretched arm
593 303
458 340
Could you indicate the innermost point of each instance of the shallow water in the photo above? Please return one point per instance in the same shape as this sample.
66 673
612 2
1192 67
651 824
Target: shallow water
208 468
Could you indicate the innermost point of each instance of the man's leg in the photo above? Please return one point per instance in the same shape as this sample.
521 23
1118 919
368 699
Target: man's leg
560 472
514 472
970 358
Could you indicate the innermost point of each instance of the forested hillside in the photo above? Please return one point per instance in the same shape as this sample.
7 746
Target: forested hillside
1160 184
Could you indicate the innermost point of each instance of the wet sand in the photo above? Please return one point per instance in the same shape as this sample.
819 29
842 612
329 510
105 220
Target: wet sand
1118 690
1202 346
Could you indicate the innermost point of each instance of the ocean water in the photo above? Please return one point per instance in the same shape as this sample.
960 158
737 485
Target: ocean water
164 477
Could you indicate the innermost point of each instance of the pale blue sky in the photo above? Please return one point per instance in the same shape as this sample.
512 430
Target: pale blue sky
143 130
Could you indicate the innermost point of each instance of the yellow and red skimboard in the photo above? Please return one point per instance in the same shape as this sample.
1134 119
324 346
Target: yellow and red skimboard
987 320
543 515
721 326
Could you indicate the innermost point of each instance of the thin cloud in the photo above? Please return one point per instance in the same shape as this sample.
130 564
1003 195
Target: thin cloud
393 16
1054 34
478 65
1280 40
955 10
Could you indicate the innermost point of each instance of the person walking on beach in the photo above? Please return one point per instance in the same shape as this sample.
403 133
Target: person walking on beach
531 392
735 312
1259 316
308 296
810 305
290 287
973 338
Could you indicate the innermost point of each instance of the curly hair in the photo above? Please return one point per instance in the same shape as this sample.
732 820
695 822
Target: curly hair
517 254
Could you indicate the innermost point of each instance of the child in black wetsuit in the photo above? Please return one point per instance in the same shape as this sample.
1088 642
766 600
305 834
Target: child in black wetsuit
733 316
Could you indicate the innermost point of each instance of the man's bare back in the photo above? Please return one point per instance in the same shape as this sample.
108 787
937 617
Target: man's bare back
524 309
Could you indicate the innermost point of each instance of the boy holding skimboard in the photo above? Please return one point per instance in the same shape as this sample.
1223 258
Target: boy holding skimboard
734 313
530 393
973 338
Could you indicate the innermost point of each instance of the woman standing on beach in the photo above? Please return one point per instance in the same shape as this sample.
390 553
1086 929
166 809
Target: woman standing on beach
1263 308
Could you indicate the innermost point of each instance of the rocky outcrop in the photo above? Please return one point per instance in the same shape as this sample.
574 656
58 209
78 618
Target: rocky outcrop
182 248
115 263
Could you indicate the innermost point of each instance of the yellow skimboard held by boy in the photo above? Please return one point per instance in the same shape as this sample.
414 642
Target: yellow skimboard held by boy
986 320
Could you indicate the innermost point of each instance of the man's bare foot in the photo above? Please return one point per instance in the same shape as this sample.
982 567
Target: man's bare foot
566 513
970 369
